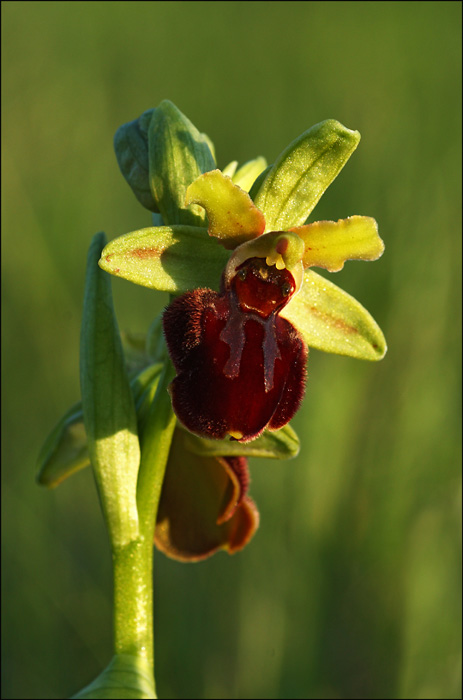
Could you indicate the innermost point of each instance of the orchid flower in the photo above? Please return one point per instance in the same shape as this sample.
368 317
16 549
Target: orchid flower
235 251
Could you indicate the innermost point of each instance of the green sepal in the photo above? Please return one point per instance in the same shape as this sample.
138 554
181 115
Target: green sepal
131 147
301 174
178 154
331 320
277 444
126 676
246 176
167 258
108 404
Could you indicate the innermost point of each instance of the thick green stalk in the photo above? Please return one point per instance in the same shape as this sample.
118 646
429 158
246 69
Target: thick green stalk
133 599
133 563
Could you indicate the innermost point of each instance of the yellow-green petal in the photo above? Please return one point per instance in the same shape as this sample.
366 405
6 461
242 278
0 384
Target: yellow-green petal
331 320
300 175
230 169
246 176
329 244
167 258
233 217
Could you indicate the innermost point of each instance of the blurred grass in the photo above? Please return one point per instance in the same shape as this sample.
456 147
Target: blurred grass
351 588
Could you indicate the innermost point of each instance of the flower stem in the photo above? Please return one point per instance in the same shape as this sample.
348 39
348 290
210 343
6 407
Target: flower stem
133 600
133 563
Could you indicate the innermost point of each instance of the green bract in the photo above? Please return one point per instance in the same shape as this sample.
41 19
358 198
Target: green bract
66 449
126 676
131 146
178 153
108 405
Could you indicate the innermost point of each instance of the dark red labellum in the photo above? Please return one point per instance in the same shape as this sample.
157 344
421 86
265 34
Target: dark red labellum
240 366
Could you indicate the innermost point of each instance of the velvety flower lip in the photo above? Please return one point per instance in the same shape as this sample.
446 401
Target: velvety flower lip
234 369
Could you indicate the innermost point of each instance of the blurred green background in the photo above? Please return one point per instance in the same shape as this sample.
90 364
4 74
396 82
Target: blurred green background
351 587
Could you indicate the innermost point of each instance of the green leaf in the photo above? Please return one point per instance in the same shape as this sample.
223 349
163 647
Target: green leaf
178 154
131 147
302 173
126 676
65 451
278 444
108 405
331 320
167 258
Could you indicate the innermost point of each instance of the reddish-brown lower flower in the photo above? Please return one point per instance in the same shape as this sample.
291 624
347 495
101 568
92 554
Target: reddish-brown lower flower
204 505
240 366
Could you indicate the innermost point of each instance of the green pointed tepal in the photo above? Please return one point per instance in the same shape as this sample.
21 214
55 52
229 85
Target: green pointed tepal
301 174
167 258
331 320
108 405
